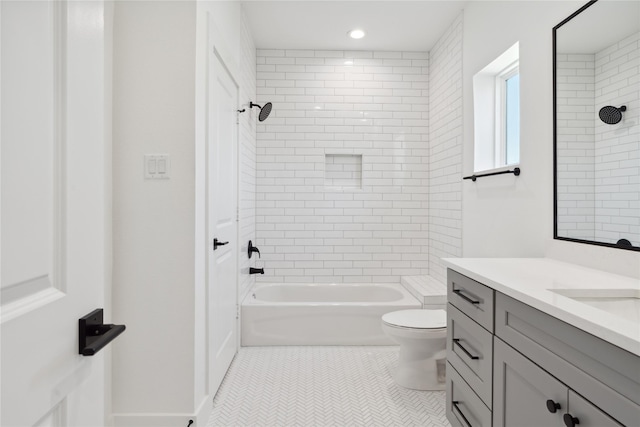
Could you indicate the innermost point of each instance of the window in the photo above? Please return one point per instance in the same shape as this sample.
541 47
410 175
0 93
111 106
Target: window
496 96
508 117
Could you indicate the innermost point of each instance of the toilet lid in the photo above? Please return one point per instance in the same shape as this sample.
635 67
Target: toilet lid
417 319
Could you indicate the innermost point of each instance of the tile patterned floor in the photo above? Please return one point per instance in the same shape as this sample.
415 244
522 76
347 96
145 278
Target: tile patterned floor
321 386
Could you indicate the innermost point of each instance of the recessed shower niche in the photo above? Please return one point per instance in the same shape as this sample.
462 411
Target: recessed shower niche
343 171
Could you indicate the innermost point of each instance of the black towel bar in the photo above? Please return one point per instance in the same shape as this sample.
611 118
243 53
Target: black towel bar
515 171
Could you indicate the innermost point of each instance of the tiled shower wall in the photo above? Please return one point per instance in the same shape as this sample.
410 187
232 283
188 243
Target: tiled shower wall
575 144
617 147
598 166
247 156
371 106
445 149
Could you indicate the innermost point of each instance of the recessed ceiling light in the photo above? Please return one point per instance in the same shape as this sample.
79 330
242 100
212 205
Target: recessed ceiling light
348 62
356 34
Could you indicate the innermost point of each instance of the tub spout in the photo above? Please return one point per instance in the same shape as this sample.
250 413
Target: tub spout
256 270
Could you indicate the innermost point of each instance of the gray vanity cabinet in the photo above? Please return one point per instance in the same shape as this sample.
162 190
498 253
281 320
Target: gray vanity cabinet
588 414
525 395
469 351
522 390
511 365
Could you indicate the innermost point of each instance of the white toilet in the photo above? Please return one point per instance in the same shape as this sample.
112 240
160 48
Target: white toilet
422 335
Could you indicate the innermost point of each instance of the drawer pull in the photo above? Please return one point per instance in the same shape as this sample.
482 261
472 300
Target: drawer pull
464 297
552 406
456 341
466 421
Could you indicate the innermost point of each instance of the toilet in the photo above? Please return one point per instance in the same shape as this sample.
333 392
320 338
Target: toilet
422 335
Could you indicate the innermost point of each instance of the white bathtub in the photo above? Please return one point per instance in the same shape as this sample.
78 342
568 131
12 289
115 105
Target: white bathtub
320 314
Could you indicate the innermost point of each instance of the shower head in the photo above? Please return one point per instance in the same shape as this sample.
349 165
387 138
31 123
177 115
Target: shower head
611 115
264 110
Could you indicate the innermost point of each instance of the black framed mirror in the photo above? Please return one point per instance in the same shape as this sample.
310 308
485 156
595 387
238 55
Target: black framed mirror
596 120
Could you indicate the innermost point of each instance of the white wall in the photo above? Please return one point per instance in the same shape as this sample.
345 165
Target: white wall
160 246
507 216
376 107
445 149
153 221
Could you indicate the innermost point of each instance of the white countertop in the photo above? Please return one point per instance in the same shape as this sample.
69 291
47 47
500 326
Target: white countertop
530 280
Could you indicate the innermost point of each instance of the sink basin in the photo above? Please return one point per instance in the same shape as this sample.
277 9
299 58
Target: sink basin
623 303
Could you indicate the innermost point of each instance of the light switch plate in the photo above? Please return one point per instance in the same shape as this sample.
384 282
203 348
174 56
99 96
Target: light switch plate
157 166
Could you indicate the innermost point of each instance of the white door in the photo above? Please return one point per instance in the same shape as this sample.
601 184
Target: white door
53 210
222 143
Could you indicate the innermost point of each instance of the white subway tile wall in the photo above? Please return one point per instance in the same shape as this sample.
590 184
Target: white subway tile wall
247 157
599 164
369 104
617 147
575 79
445 150
342 171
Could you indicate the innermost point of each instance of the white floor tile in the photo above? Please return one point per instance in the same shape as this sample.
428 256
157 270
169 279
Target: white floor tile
321 386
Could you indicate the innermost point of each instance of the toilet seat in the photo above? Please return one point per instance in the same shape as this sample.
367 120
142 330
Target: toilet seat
416 319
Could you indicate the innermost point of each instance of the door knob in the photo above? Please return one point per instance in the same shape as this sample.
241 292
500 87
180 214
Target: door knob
216 243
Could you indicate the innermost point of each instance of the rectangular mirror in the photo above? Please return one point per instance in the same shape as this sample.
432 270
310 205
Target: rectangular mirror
596 78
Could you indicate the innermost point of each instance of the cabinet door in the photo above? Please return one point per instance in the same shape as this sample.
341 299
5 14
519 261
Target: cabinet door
588 415
521 390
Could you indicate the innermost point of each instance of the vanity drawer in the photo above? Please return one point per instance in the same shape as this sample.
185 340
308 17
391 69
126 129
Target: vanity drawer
464 408
471 297
470 351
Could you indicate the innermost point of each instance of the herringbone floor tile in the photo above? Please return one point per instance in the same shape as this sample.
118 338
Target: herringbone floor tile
321 387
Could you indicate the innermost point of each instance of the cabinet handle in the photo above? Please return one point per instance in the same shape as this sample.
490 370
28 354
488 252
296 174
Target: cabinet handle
464 297
456 341
466 421
552 406
569 420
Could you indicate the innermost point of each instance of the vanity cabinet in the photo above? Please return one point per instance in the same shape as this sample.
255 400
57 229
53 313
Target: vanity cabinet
526 394
470 317
509 364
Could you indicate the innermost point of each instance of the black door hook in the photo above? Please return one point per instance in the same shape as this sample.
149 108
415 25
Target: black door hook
216 243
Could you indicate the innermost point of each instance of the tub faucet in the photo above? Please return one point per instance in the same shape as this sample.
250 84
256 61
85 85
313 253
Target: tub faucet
256 270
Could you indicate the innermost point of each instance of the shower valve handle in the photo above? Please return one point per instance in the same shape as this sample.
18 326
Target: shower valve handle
251 249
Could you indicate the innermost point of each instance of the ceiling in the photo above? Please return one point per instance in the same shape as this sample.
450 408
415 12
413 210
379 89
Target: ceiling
599 26
390 25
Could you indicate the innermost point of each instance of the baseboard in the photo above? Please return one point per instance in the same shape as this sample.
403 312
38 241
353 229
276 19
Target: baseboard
199 417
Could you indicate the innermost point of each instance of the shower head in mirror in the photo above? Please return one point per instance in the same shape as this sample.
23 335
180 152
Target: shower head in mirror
265 110
611 115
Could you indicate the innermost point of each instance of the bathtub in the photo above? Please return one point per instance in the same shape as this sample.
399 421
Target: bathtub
320 314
